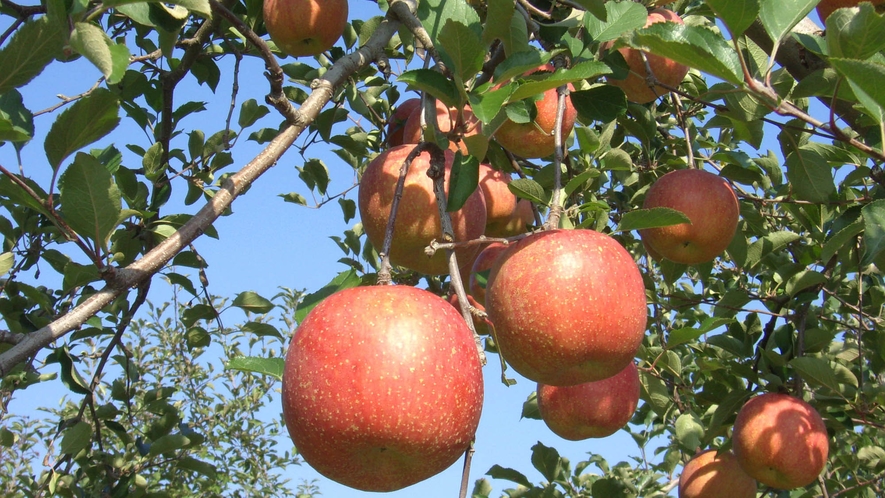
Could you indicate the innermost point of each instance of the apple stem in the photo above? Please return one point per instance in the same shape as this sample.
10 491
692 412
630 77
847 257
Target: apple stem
465 472
384 270
437 173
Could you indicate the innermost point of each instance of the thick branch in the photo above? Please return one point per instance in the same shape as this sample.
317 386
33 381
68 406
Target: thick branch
154 260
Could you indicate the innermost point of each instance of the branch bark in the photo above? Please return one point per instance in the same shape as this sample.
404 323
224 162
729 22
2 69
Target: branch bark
144 268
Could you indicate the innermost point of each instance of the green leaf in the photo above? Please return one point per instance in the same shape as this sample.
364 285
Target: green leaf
90 200
641 219
315 174
198 466
93 43
6 262
252 302
780 16
857 33
874 230
81 124
581 71
343 280
35 44
168 444
520 63
498 472
265 366
803 280
865 78
70 377
261 329
200 7
738 16
603 103
77 438
434 14
687 334
816 371
16 120
197 337
463 181
838 240
769 244
693 46
487 105
432 82
689 431
620 18
617 160
548 462
810 175
250 112
525 188
462 50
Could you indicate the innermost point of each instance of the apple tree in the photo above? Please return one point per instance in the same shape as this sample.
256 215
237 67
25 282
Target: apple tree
787 109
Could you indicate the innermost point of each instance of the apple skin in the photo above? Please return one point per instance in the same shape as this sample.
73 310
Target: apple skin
665 70
417 220
713 474
506 215
484 262
397 123
826 7
535 140
568 306
592 409
305 27
382 387
780 440
446 120
708 201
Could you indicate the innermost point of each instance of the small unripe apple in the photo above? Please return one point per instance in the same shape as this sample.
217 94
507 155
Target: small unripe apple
827 7
417 220
536 139
666 70
592 409
708 201
305 27
382 387
780 440
568 306
715 474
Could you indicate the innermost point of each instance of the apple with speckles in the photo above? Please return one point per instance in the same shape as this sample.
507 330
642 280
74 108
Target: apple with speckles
397 124
592 409
506 215
382 387
568 306
305 27
715 474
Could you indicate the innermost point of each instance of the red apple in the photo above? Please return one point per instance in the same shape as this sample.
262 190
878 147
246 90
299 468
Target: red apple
826 7
665 70
781 441
536 139
417 220
478 325
446 120
708 201
592 409
396 125
505 215
305 27
568 306
715 474
382 387
484 263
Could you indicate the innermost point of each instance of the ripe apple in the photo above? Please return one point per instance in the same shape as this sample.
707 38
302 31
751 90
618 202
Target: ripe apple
446 120
592 409
483 263
780 441
715 474
397 123
536 139
506 216
665 70
417 219
826 7
568 306
305 27
708 201
382 387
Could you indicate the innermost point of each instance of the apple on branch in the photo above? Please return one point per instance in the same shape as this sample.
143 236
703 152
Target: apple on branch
506 215
305 27
715 474
397 124
447 121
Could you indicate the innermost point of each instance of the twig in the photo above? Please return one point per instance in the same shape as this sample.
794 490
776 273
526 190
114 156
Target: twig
465 470
67 100
555 202
403 10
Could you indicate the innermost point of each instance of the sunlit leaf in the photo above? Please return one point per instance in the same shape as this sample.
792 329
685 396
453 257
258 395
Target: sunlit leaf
264 366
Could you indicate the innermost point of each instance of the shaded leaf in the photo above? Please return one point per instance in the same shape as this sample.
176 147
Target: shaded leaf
81 124
780 16
343 280
856 33
874 230
738 16
252 302
620 17
810 175
91 203
816 371
687 334
603 103
463 181
525 188
33 46
265 366
432 82
77 438
641 219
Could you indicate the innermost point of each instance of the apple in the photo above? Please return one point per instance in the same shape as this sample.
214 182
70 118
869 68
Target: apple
396 125
483 264
665 70
826 7
780 440
506 215
568 306
305 27
417 219
447 121
536 139
478 325
715 474
708 201
592 409
382 387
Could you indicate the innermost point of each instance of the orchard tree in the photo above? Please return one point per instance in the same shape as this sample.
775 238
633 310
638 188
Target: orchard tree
790 114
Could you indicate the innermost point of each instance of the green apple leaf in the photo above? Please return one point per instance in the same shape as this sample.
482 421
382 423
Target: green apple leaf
16 120
520 63
603 103
90 200
838 240
693 46
265 366
81 124
498 472
689 431
526 188
77 438
780 16
92 42
343 280
595 7
168 443
687 334
803 280
462 50
201 7
250 112
261 329
487 105
435 13
816 371
641 219
768 244
198 466
580 72
252 302
434 83
810 174
463 181
865 78
873 230
855 33
33 46
737 16
620 17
